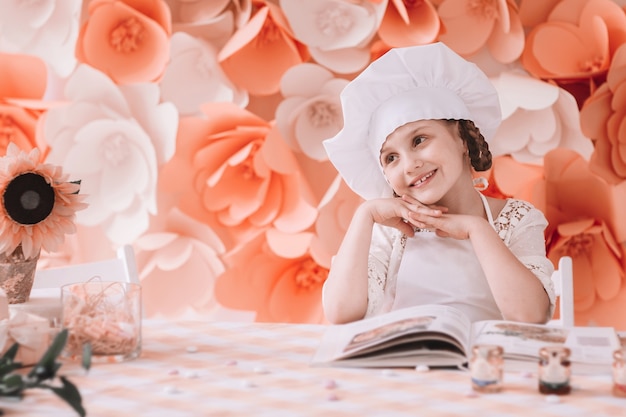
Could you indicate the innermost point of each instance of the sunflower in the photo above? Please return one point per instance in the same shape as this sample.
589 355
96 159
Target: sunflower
37 203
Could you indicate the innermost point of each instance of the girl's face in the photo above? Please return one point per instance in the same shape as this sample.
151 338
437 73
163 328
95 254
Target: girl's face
425 159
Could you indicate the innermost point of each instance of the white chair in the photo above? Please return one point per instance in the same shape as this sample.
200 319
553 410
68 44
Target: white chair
45 296
563 280
122 268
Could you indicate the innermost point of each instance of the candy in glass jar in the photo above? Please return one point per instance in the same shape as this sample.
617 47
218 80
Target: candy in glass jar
619 372
486 368
554 370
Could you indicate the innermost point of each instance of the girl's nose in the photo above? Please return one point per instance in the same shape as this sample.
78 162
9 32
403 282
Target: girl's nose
412 164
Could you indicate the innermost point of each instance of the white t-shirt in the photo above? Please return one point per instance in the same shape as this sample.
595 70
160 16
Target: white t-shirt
443 267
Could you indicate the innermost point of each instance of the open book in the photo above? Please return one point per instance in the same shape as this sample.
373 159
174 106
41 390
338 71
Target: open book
441 336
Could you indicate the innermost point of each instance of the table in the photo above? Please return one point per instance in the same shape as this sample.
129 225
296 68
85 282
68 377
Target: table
191 369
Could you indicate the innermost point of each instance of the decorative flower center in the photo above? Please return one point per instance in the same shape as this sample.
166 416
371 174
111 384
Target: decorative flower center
310 274
115 149
334 21
592 65
269 33
413 3
28 198
579 244
322 114
127 36
7 130
485 8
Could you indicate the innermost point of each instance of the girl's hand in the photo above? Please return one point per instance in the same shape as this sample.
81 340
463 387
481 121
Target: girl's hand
399 213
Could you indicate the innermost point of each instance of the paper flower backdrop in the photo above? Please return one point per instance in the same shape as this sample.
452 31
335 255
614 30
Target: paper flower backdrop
196 128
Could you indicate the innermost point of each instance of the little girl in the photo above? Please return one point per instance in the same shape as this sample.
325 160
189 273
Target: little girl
416 125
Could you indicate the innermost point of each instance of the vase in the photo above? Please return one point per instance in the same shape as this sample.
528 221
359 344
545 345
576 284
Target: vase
17 274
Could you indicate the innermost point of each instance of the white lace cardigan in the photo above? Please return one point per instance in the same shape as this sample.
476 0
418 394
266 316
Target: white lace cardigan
517 221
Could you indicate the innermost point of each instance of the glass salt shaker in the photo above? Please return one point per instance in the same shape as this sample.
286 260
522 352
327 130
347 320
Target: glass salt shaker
554 370
619 372
485 368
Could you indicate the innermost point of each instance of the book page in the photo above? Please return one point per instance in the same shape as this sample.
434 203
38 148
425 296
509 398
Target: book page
433 322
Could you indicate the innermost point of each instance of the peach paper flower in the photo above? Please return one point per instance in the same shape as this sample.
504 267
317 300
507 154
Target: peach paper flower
409 23
38 203
336 32
581 226
470 25
311 111
233 172
537 117
194 76
126 39
213 20
277 289
603 119
45 29
178 267
22 76
114 139
576 44
265 44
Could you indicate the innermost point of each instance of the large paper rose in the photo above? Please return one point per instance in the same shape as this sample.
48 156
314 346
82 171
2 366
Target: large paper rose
233 171
266 44
336 32
603 119
46 29
178 267
277 289
194 76
311 111
581 226
470 25
537 117
126 39
114 139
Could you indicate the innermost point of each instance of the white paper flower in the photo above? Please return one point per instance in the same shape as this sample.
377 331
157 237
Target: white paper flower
112 138
213 20
181 261
537 117
311 110
194 76
337 32
47 29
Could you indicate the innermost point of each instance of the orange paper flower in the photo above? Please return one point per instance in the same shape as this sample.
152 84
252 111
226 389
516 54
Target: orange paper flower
470 25
266 44
581 226
234 173
38 203
603 119
409 23
277 289
126 39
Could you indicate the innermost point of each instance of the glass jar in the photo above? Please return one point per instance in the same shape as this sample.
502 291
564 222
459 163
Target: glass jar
619 372
554 370
485 368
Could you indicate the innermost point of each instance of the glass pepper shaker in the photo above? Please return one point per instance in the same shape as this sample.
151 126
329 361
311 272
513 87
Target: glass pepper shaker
485 368
619 372
554 370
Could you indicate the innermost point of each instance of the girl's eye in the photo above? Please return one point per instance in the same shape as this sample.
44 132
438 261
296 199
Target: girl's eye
417 140
390 158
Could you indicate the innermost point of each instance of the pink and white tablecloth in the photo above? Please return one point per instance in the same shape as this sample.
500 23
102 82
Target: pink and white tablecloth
193 369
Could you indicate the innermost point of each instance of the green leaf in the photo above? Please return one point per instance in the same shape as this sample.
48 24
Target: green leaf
47 365
11 352
70 394
86 359
11 384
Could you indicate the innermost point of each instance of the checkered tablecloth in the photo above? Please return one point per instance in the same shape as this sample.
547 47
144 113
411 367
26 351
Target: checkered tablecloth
193 369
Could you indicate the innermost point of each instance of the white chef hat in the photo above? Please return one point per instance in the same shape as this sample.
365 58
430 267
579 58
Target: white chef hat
405 85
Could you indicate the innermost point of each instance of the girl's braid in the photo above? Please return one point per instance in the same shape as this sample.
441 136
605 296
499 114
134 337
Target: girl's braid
479 152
